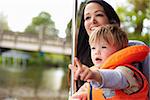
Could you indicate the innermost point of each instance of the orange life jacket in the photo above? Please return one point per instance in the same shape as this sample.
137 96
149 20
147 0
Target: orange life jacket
124 57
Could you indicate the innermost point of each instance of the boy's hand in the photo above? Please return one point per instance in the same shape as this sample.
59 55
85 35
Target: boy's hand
84 72
79 70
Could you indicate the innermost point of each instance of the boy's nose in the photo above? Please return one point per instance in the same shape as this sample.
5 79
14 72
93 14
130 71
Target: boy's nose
97 52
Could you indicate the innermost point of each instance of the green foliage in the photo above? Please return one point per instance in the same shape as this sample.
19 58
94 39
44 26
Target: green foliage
31 29
58 60
148 11
42 24
133 14
3 22
68 32
145 38
43 18
69 25
49 60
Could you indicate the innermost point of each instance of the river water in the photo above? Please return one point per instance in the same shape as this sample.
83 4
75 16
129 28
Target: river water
32 84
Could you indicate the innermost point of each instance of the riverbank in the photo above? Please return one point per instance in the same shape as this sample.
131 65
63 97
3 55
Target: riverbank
26 93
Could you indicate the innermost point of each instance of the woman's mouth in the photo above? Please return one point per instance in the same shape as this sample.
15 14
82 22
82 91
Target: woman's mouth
92 29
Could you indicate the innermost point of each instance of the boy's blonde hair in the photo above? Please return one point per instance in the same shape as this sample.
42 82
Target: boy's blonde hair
112 34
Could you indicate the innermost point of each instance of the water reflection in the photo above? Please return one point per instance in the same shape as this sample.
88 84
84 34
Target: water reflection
52 79
33 82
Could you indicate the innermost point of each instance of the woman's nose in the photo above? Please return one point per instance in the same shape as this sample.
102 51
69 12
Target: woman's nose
93 20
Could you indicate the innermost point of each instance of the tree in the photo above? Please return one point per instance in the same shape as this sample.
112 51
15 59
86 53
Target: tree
42 24
68 31
69 25
133 15
3 23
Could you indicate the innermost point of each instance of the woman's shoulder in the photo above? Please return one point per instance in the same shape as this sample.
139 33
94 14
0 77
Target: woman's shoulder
135 42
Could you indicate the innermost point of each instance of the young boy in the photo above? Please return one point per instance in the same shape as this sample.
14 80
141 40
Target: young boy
112 76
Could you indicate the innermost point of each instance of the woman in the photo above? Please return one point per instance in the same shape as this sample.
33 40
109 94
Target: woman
94 14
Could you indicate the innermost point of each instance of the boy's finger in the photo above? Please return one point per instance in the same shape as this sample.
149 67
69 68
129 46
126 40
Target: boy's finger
84 74
88 77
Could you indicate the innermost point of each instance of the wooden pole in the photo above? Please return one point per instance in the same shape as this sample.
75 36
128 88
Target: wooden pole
74 31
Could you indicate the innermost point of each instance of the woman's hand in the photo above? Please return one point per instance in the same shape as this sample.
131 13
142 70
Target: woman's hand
81 94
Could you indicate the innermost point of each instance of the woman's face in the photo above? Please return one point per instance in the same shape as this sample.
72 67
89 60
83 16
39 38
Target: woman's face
94 16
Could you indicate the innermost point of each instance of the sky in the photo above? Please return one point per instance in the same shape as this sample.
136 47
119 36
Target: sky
19 13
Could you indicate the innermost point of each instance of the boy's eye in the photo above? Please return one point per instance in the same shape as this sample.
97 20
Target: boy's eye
93 48
104 47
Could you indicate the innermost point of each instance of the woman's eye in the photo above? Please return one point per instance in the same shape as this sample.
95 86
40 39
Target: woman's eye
100 15
86 18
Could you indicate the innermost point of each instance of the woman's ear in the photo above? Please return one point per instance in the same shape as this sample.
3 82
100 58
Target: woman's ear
113 21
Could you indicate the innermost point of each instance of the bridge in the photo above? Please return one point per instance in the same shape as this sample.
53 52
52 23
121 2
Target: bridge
33 42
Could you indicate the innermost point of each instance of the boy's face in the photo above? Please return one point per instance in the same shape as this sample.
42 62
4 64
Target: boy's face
100 51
